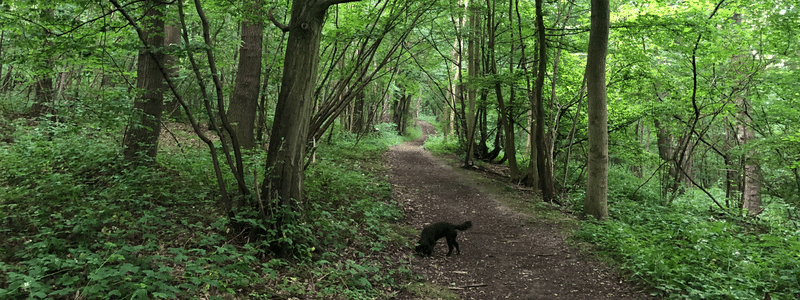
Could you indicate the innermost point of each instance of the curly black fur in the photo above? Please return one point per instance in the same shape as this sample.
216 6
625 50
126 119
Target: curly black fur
436 231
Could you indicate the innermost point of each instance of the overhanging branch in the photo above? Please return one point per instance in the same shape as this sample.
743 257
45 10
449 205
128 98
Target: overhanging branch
271 17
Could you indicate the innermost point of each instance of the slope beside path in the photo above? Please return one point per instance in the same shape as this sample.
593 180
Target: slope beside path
505 255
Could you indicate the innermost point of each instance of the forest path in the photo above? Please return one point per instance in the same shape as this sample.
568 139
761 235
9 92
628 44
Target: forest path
505 255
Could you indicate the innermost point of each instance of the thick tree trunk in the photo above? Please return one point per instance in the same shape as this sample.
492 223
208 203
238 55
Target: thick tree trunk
44 93
283 183
143 130
595 203
244 101
43 96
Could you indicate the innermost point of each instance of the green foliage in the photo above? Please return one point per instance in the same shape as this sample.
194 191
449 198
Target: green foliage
76 220
689 253
439 145
346 225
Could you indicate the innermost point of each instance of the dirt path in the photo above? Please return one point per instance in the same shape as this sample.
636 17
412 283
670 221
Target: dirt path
505 255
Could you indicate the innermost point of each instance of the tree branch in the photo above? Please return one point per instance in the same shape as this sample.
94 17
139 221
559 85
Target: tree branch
283 27
328 3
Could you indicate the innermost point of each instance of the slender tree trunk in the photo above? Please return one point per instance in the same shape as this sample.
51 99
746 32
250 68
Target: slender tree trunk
2 37
172 37
6 84
546 176
666 149
571 136
595 203
472 72
510 151
143 130
532 172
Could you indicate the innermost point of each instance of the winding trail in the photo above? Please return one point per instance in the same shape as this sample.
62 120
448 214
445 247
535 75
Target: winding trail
505 255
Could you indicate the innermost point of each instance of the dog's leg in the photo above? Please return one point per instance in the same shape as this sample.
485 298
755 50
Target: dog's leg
451 241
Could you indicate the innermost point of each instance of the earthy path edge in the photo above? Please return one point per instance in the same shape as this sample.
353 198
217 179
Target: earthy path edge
506 254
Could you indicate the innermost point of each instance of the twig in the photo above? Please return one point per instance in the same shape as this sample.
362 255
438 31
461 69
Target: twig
467 286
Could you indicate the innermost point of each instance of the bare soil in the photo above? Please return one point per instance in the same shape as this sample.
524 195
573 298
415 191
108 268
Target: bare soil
506 254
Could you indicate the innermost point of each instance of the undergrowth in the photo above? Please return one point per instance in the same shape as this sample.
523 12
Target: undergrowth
77 223
687 251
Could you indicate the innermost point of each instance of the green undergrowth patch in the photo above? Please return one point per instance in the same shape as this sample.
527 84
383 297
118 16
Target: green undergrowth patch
424 290
690 252
440 145
76 222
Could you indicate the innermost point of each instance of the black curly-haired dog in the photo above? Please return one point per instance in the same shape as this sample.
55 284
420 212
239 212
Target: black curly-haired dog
436 231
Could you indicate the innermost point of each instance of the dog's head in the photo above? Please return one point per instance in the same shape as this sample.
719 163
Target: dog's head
424 250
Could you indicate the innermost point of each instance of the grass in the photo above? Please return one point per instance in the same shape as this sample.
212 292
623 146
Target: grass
422 290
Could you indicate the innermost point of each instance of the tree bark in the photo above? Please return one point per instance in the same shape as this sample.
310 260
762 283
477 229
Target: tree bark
510 150
143 130
283 181
596 202
544 166
6 85
43 95
172 37
472 72
244 100
44 92
532 173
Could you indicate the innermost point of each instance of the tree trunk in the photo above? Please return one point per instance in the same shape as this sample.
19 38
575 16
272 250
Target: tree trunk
531 177
44 85
143 130
472 72
595 203
510 150
172 37
751 183
571 135
44 92
400 112
359 121
544 166
244 100
283 183
6 83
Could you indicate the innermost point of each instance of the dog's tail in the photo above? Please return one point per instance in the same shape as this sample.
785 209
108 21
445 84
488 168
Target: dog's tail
464 226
